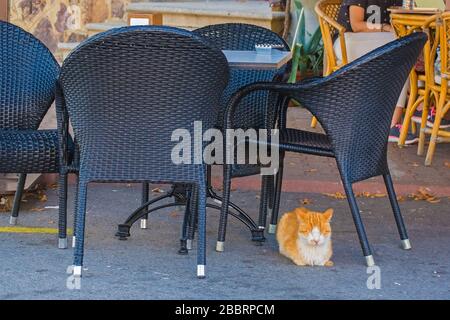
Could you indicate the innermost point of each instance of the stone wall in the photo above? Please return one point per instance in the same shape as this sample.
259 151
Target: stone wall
54 21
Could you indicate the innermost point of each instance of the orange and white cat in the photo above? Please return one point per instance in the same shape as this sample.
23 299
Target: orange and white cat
304 236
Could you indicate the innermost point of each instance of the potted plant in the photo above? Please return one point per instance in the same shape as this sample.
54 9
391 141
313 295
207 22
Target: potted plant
307 44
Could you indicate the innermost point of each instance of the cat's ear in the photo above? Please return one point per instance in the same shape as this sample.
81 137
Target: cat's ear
328 214
301 213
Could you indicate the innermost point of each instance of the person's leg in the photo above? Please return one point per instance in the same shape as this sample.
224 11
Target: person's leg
397 117
337 51
417 115
394 134
401 103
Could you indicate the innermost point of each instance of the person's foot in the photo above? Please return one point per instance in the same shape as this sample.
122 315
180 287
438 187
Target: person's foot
431 118
394 135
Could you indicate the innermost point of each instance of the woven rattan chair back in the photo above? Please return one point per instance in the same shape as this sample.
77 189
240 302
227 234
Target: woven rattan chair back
127 90
330 8
364 93
28 73
327 12
252 112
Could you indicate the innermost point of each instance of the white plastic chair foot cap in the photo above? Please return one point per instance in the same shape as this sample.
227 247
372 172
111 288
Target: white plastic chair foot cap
370 261
200 271
143 223
62 243
189 244
406 245
13 221
220 246
77 271
272 228
74 241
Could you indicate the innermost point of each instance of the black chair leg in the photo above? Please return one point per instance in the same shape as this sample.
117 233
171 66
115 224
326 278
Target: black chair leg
276 196
192 220
397 214
145 197
75 210
270 195
359 224
263 201
201 247
80 229
17 199
225 207
62 223
185 227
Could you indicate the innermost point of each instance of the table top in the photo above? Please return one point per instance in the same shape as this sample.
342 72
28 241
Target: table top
422 11
415 18
257 61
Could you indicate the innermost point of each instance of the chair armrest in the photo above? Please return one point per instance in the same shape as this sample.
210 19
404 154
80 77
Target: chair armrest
284 90
434 19
340 28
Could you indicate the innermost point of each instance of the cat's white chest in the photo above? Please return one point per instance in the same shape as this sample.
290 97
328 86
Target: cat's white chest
314 255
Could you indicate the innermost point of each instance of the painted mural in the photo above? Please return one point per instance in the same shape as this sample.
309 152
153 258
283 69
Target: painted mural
54 21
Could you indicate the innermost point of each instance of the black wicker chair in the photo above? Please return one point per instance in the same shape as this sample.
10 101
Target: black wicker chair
354 106
28 75
125 91
254 111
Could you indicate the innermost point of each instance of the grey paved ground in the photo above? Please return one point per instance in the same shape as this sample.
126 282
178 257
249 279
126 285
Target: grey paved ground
147 266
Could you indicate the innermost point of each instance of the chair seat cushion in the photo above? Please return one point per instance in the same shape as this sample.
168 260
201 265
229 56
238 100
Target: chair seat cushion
306 142
29 151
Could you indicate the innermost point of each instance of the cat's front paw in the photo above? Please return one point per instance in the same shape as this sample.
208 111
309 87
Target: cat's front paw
299 262
329 263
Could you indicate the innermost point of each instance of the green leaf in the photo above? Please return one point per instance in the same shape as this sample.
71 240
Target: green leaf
298 5
314 42
302 26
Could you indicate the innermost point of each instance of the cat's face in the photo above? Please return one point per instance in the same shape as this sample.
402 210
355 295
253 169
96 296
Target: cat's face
314 227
